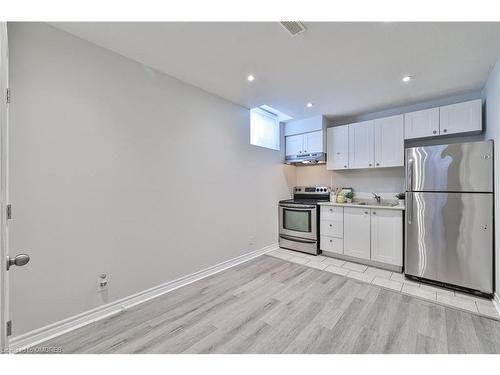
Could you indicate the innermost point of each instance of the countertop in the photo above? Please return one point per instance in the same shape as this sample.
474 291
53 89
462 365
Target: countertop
367 205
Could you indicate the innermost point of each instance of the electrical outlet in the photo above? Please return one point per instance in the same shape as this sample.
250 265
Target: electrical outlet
102 283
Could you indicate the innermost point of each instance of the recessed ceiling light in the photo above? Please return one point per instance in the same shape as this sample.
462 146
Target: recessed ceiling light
251 78
309 105
406 79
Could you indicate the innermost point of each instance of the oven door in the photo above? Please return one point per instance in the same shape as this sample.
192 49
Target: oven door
298 220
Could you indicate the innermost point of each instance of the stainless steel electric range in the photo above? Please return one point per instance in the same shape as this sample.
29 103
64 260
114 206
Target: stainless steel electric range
299 218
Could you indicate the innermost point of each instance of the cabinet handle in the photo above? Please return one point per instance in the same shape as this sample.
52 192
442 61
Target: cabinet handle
370 164
345 166
366 212
305 150
378 163
374 212
434 131
330 225
444 130
331 240
331 209
338 153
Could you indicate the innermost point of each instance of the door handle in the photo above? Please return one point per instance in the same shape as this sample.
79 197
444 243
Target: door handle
409 209
409 178
18 260
296 239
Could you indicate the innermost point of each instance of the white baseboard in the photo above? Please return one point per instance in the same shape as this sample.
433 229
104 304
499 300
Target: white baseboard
50 331
496 302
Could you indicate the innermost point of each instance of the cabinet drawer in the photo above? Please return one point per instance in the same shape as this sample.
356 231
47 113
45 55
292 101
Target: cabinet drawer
332 244
332 228
333 213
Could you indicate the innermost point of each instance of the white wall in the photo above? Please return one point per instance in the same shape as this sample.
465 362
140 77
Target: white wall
119 169
491 94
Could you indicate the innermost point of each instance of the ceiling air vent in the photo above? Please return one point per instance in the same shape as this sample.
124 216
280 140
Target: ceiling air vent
293 27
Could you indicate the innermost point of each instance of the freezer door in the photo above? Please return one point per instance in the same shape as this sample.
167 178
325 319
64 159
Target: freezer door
466 167
449 238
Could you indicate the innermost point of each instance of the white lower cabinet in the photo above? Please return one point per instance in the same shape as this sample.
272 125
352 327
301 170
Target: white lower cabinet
331 244
363 233
357 232
331 226
387 236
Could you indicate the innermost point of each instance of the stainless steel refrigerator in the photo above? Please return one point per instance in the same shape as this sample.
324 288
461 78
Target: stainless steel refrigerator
449 214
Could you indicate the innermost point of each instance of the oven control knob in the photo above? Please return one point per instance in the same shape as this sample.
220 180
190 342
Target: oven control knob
317 189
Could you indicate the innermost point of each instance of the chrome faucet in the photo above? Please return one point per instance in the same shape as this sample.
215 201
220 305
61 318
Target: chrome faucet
377 197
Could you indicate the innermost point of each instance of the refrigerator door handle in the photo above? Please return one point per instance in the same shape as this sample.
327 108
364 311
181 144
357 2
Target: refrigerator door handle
409 208
409 177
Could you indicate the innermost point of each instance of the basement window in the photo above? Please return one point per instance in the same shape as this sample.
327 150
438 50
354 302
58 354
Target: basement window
264 129
265 126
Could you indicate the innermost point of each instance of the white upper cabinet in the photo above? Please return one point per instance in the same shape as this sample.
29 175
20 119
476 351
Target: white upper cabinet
337 147
389 142
294 145
460 118
305 136
450 119
306 125
387 236
361 144
313 142
422 124
357 232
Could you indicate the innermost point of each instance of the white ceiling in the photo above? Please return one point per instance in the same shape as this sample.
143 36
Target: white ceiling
343 68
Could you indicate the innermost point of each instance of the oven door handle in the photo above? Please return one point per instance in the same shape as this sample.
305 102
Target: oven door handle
299 206
295 239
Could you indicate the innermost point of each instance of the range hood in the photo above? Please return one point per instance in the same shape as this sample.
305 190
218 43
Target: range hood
306 159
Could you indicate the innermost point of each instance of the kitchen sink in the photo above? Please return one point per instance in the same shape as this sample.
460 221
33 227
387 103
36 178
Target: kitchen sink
382 204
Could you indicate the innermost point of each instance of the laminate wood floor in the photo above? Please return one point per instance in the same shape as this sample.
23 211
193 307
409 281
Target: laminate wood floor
270 305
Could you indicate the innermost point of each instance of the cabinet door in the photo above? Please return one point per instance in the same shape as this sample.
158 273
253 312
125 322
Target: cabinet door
460 118
331 244
387 236
313 142
422 124
331 228
357 232
361 145
306 125
294 144
389 142
337 149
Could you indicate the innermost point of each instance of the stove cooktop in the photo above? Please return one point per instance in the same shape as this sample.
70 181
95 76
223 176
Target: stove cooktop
305 201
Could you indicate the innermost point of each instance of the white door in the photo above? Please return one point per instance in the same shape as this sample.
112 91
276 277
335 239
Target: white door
421 124
361 145
460 118
389 142
313 142
4 301
7 264
337 149
294 145
357 232
387 236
